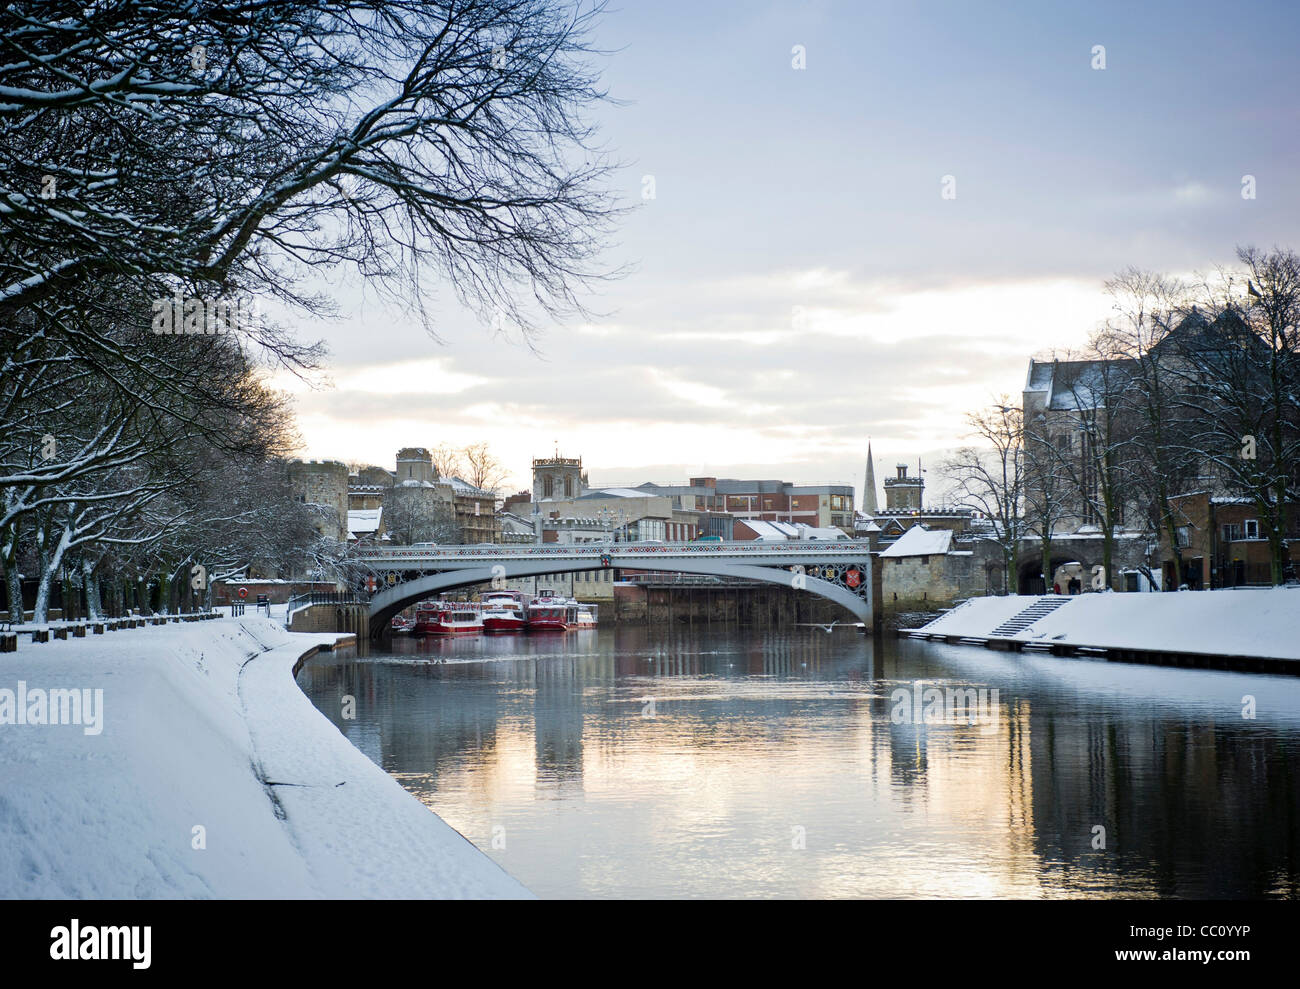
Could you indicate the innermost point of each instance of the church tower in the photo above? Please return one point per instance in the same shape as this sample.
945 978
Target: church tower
558 478
869 504
903 493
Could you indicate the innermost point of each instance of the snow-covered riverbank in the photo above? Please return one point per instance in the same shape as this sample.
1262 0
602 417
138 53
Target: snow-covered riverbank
1255 622
212 776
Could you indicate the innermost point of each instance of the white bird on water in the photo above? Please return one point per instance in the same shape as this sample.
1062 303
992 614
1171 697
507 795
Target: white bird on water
827 628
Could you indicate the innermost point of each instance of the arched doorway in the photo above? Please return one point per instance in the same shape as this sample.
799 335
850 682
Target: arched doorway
1031 575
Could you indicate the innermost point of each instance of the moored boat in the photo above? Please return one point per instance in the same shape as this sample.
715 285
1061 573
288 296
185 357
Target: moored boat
503 611
447 618
548 615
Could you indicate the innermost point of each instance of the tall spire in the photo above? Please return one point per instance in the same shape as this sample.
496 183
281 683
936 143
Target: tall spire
869 505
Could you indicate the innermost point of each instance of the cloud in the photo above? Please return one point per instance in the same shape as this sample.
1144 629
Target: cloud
901 364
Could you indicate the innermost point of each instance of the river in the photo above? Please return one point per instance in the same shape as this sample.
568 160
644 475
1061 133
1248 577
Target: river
655 762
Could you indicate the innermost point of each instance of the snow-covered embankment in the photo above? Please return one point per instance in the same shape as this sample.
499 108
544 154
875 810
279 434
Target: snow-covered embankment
212 776
1259 623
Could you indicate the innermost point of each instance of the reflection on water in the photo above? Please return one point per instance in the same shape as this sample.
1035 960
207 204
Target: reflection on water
654 763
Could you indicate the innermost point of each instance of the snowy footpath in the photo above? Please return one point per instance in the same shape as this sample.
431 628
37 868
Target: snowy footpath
208 774
1256 622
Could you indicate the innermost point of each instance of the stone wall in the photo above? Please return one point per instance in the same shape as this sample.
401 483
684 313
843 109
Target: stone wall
634 604
353 618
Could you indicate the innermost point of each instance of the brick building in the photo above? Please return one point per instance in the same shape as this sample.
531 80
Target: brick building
1220 542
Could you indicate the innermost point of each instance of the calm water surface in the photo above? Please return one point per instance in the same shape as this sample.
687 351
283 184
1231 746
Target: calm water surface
634 762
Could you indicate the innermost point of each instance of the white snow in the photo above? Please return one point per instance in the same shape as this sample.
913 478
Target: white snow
1259 622
364 521
920 541
199 719
790 531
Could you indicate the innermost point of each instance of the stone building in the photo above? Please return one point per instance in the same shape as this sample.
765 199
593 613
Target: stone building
415 504
558 478
925 570
324 484
903 493
415 463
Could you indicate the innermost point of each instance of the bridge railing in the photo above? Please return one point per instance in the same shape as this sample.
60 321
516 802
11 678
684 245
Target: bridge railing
623 549
325 597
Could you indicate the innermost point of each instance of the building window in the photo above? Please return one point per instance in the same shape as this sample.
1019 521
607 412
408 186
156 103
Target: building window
1183 536
548 486
568 486
1252 528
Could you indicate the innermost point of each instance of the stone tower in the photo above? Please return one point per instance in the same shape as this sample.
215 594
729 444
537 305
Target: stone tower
903 493
558 478
323 483
415 463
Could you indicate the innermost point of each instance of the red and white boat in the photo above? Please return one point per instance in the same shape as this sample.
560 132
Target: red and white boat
503 611
585 617
550 614
447 618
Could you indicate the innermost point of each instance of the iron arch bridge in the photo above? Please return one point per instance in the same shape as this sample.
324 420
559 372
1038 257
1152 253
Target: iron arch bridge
839 570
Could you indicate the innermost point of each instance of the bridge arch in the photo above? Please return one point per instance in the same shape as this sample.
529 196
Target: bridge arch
388 602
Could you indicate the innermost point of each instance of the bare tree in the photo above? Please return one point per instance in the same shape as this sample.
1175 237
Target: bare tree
1160 459
417 515
482 468
992 481
210 145
1047 502
173 150
1093 438
1249 389
448 460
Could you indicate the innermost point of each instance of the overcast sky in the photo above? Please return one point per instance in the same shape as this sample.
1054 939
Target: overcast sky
800 282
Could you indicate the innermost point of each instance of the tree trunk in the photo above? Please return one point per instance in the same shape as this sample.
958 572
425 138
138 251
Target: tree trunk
1047 564
70 610
1107 553
1171 533
14 589
41 607
94 609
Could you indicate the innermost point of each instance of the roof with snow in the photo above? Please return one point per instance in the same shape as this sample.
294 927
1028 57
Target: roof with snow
785 531
920 541
363 521
769 531
462 487
813 532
